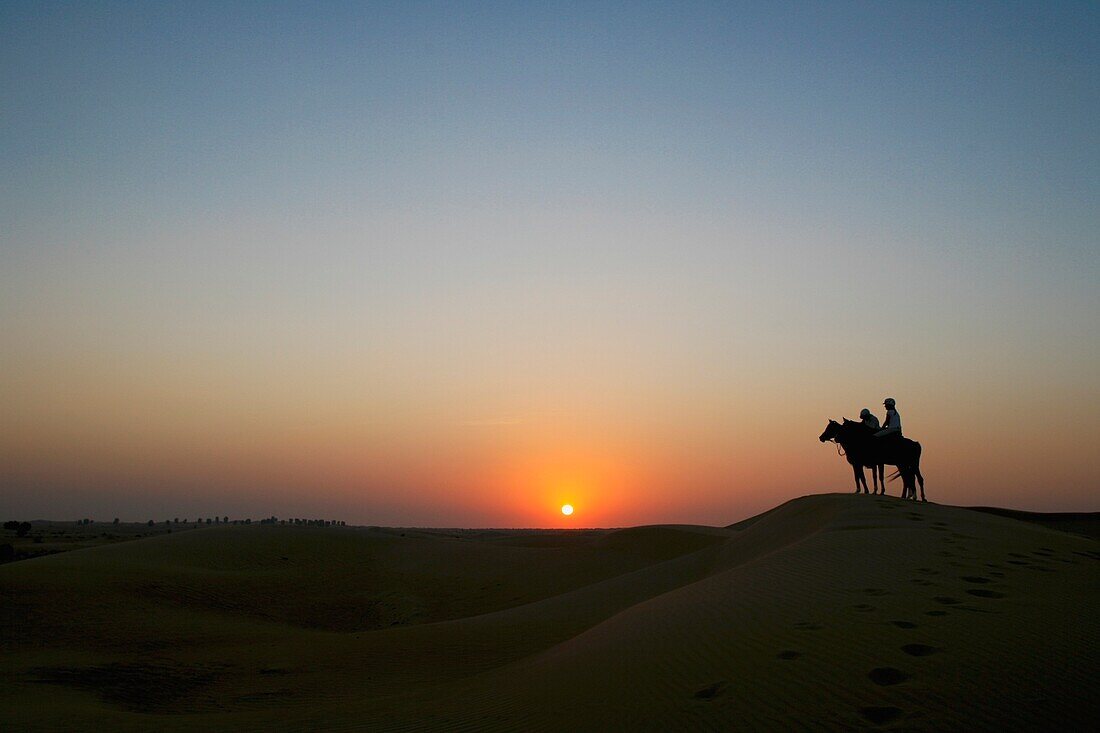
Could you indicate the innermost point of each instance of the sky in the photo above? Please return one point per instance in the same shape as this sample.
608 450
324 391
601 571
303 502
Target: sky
456 264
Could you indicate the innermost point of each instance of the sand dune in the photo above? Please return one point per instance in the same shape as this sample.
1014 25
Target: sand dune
828 612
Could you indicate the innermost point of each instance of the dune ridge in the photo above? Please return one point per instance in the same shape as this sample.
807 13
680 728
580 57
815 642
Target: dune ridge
827 612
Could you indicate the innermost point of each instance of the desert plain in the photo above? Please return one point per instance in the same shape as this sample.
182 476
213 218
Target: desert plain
829 612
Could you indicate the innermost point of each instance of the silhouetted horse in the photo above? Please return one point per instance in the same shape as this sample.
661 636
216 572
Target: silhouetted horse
864 449
877 473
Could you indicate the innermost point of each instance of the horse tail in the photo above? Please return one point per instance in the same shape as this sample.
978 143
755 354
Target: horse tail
894 475
916 467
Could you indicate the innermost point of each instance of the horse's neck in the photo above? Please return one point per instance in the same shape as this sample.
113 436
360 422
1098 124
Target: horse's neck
851 434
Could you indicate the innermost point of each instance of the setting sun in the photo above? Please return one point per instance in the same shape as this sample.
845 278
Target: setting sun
567 509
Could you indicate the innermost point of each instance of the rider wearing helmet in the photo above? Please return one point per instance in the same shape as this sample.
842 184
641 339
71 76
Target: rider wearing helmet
868 419
892 425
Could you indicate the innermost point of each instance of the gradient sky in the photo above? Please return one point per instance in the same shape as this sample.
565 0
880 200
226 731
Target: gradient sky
456 264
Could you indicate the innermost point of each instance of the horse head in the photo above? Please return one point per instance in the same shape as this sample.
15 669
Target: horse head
831 431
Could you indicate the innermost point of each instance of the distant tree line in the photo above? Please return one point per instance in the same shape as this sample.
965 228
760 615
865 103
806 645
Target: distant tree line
20 528
305 522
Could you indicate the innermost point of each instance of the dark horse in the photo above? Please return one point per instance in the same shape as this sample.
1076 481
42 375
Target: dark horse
864 449
877 472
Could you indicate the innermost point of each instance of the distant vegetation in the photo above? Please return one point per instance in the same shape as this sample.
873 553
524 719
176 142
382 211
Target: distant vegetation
21 528
25 540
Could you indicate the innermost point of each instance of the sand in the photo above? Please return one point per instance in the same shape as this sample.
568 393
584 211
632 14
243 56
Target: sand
828 612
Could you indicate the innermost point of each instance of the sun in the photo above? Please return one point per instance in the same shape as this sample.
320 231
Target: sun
567 509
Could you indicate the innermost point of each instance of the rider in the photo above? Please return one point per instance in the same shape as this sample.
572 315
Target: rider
868 419
893 420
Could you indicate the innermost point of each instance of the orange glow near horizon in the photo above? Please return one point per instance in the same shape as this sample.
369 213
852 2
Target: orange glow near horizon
684 466
509 435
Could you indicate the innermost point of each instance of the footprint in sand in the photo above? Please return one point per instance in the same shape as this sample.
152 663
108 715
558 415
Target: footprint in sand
863 608
904 624
974 579
935 613
808 626
983 593
885 676
928 571
1018 562
711 691
879 715
789 654
876 592
919 650
946 600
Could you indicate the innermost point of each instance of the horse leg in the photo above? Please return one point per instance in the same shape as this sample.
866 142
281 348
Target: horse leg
857 475
874 479
921 479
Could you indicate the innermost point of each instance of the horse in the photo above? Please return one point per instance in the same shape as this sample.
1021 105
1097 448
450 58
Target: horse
897 451
877 472
863 448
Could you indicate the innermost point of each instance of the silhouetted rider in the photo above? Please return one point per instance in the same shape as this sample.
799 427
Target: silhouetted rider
892 426
868 419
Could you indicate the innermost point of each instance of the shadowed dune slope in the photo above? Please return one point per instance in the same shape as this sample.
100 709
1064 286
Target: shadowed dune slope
830 611
1082 523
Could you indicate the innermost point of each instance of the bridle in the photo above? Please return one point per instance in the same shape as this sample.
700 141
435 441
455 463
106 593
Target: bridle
839 448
